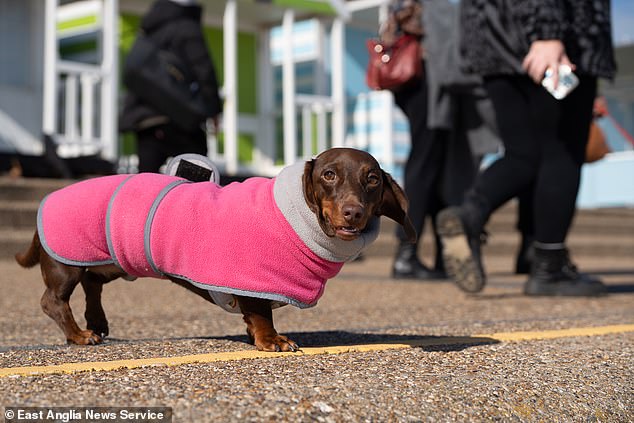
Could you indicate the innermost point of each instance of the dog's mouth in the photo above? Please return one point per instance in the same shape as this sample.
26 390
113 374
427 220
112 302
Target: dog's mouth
347 233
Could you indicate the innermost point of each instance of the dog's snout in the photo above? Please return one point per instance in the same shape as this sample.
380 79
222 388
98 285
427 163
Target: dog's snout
353 212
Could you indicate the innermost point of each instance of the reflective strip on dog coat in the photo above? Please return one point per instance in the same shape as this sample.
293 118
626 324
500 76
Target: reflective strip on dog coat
256 238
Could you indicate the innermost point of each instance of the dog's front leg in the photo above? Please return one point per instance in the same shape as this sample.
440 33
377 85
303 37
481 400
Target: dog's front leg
259 319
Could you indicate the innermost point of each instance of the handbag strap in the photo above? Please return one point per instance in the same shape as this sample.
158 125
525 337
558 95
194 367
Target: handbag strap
621 130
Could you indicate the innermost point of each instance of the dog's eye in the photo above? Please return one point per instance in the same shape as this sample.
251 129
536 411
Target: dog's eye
373 179
329 175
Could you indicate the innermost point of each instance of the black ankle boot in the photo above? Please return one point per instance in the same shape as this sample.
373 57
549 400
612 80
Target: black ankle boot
461 230
525 255
553 274
408 266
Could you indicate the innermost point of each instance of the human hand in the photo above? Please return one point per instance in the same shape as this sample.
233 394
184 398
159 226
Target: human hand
212 125
216 123
600 107
545 54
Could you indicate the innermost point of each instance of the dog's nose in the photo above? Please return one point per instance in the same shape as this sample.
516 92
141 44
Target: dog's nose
352 212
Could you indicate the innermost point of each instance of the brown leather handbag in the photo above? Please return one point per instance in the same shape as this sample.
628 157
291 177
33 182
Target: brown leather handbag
393 67
597 146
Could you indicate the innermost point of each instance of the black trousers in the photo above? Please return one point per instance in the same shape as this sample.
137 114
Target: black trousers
156 144
424 167
544 141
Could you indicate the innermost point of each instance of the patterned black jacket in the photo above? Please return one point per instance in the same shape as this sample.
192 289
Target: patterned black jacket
178 30
496 34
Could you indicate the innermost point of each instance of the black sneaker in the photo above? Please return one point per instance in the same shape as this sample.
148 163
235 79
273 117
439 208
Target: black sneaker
461 250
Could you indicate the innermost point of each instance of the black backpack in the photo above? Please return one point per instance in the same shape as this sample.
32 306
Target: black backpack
162 80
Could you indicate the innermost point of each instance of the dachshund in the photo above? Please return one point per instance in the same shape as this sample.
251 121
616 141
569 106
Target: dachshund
248 246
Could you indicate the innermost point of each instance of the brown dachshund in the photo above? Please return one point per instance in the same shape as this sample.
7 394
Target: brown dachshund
344 190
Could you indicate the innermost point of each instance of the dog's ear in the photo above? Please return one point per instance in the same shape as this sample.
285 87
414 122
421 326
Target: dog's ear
309 188
394 205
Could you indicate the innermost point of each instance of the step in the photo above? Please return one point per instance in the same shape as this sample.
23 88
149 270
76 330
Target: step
29 189
612 222
25 190
13 241
597 231
600 232
604 221
508 243
18 214
499 243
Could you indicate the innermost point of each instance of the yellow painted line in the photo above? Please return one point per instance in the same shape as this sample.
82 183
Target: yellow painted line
560 333
253 354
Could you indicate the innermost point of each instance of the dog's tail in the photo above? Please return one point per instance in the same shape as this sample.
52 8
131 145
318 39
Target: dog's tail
31 256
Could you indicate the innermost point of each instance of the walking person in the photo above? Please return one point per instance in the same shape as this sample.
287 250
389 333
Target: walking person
423 169
451 125
512 44
174 26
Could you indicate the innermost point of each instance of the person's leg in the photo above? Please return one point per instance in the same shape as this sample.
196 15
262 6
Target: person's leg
156 144
557 185
559 175
439 265
526 227
422 174
516 115
461 165
181 142
461 227
150 148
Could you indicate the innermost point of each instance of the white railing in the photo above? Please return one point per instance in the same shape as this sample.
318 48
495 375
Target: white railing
80 100
316 112
315 115
80 120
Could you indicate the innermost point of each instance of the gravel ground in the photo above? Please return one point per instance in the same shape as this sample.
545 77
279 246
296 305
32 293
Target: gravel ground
560 380
580 379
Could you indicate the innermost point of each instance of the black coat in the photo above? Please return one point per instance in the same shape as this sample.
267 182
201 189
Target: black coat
497 34
177 29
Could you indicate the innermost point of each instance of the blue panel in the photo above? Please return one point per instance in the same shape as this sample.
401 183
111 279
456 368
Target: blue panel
608 182
356 60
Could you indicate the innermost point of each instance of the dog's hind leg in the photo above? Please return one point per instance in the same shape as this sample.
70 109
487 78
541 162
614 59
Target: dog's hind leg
61 281
96 320
92 282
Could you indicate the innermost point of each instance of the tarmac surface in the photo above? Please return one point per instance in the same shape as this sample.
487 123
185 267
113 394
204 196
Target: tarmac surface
376 349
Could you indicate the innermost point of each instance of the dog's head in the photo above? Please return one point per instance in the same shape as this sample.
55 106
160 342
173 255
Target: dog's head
345 188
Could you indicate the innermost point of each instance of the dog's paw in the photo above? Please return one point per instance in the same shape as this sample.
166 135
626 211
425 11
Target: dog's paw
276 343
86 337
100 329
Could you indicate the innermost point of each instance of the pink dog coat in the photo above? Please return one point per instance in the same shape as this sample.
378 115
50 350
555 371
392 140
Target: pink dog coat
257 238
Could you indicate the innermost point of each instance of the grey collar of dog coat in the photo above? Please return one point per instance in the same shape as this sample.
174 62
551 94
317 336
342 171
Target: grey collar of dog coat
289 197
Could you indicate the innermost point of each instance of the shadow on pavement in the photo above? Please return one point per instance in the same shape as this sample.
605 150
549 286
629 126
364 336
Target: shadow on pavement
621 289
322 339
611 272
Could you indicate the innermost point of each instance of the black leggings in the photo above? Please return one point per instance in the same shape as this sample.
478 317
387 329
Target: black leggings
544 141
423 170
